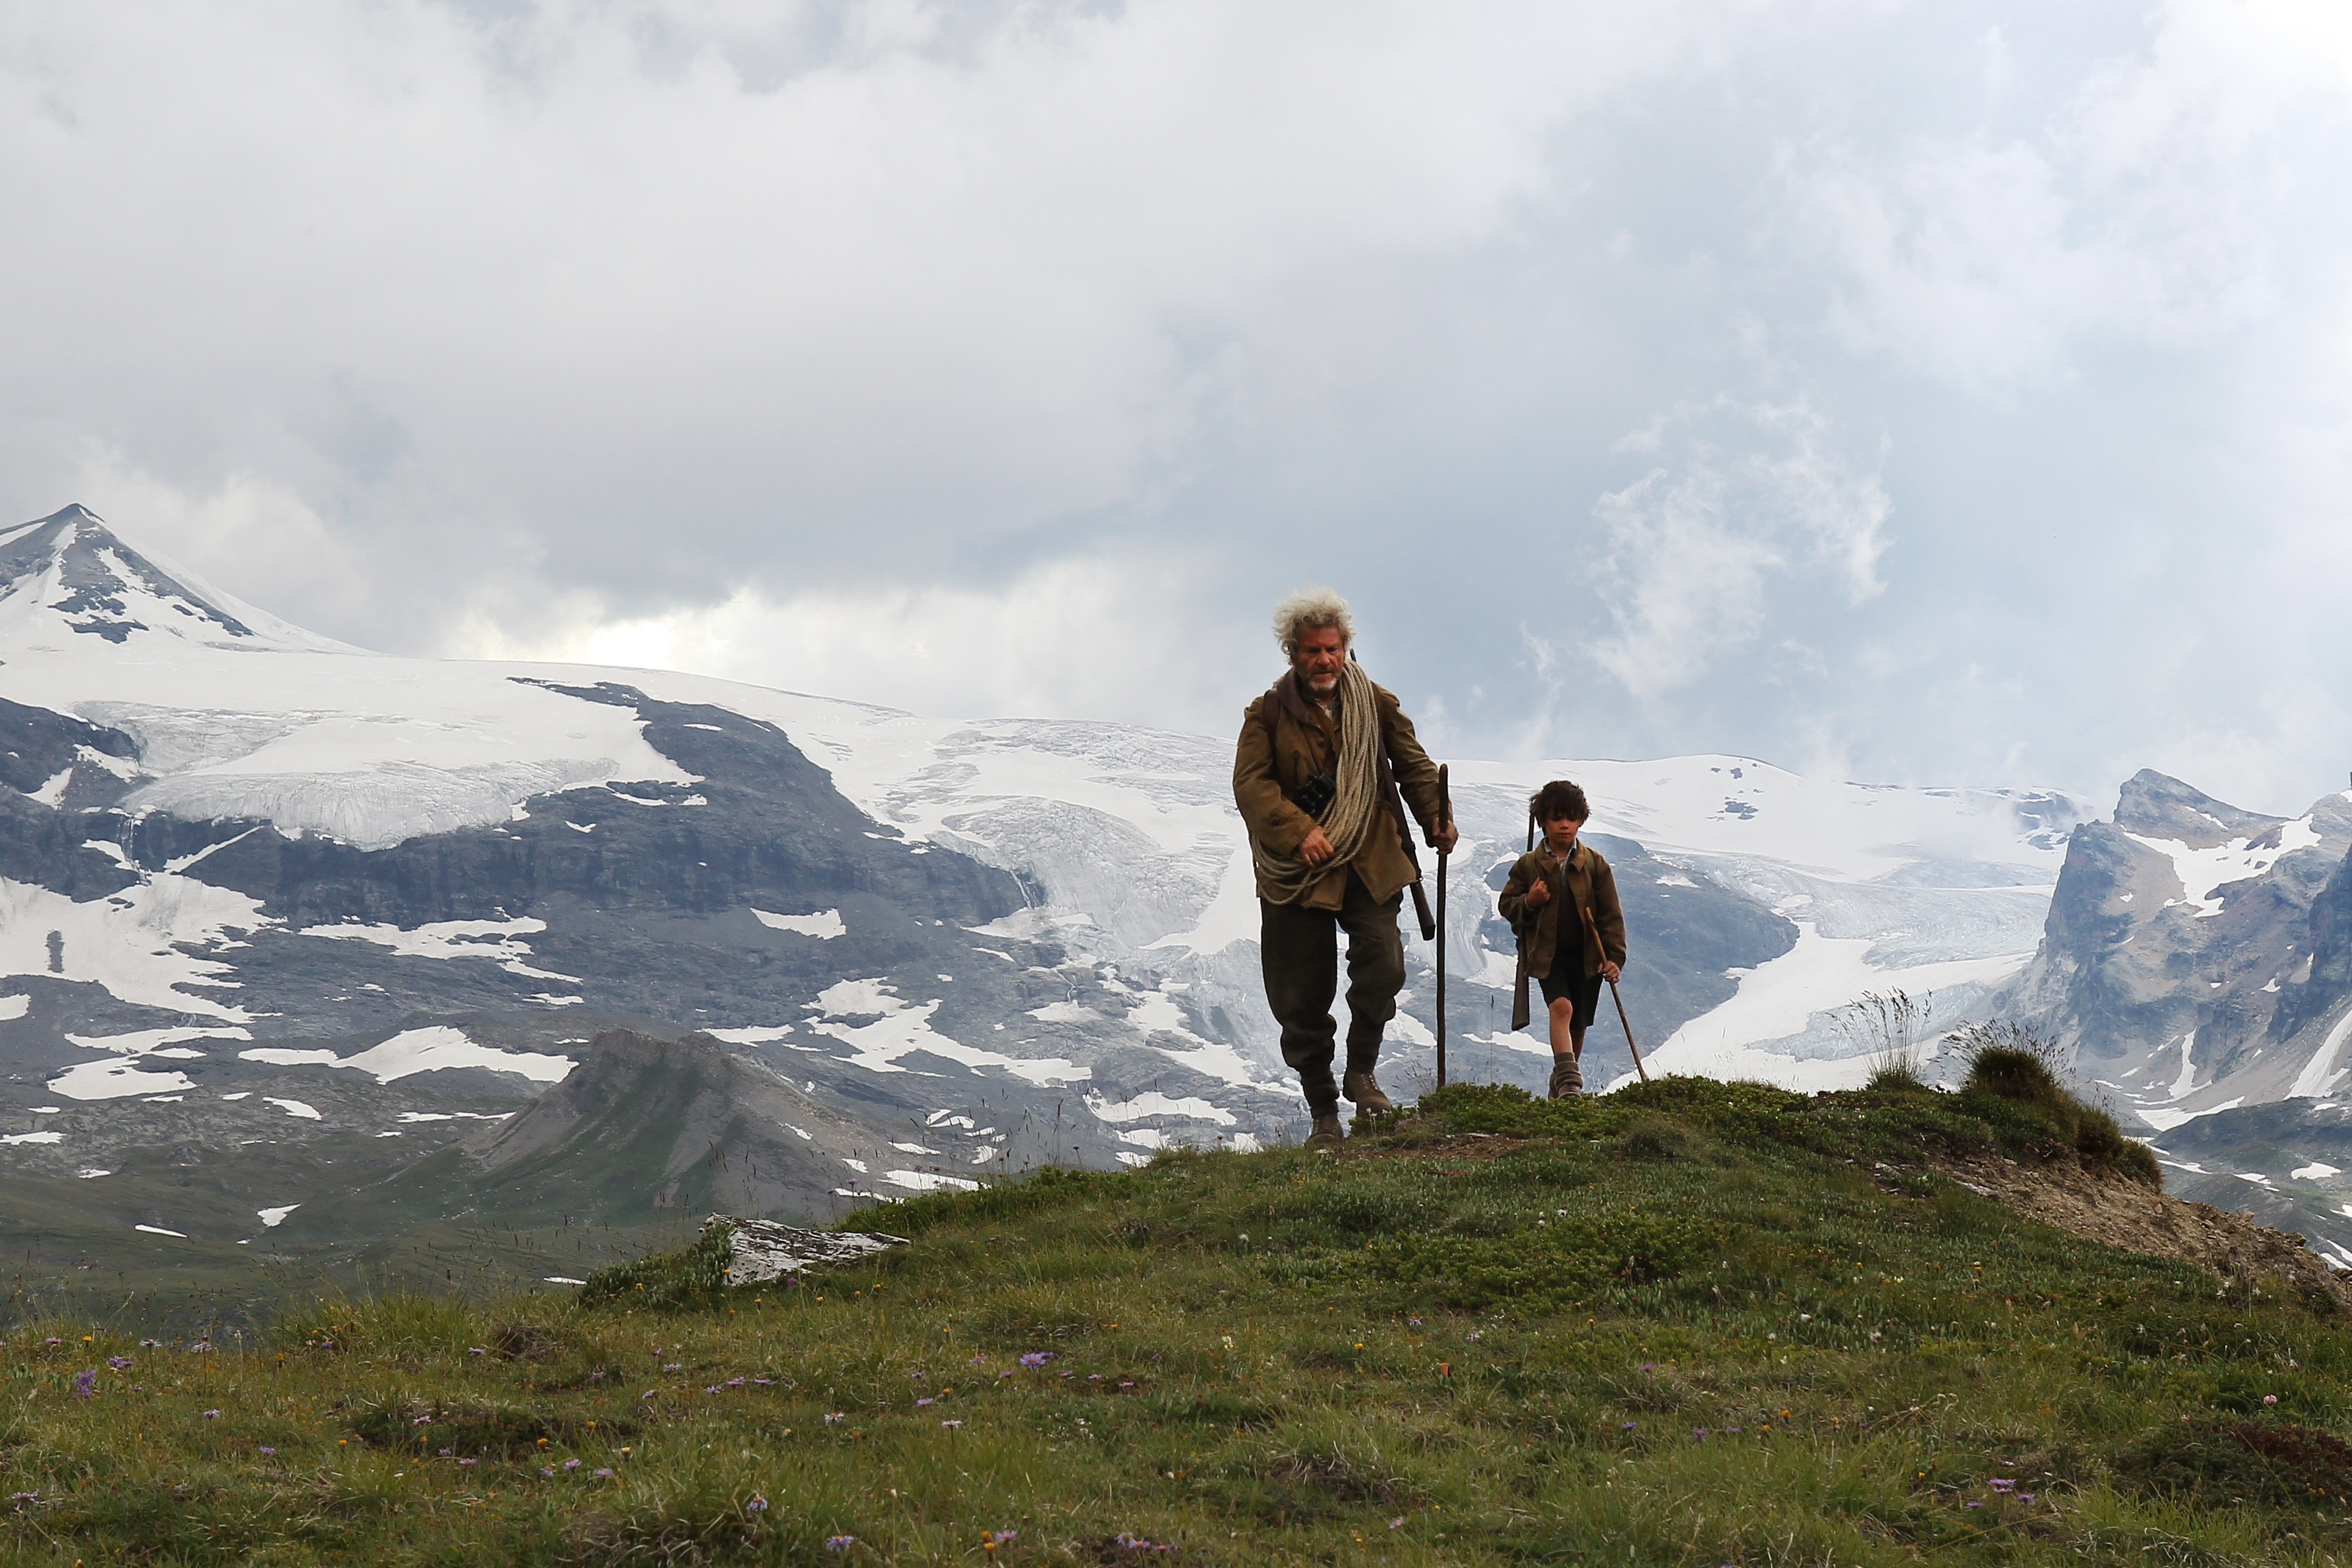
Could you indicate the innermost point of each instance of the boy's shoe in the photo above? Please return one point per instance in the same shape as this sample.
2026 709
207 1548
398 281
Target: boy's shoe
1365 1091
1327 1133
1567 1077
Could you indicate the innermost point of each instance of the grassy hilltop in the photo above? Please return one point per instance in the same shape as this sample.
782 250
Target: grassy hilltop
1690 1323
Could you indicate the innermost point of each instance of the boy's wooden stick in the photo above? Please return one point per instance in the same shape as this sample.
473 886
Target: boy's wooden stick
1628 1032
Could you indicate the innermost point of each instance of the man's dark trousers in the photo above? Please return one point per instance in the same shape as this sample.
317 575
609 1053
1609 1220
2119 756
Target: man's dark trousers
1300 950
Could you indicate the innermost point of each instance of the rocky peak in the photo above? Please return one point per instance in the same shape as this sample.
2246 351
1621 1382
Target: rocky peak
2156 806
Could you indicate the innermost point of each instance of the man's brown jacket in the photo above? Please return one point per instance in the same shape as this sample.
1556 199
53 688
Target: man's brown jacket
1588 881
1266 778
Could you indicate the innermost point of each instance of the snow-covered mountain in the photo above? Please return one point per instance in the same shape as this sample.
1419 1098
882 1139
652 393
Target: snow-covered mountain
2195 955
261 890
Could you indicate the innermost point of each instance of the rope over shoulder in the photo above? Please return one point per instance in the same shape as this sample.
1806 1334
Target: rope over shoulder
1286 877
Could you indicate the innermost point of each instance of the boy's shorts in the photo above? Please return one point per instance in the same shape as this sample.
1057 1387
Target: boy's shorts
1584 990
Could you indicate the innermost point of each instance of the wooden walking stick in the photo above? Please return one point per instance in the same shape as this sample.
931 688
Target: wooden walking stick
1445 821
1628 1032
1520 1013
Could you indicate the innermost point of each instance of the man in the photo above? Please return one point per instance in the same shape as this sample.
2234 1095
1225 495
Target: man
1316 773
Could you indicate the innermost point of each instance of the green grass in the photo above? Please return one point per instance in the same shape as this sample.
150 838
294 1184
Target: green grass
1690 1323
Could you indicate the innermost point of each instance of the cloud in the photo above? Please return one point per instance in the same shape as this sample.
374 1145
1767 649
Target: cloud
1989 369
1069 638
1694 548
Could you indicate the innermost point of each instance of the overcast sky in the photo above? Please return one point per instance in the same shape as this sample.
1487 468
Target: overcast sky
1937 392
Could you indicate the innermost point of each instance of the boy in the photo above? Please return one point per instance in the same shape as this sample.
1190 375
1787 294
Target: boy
1561 899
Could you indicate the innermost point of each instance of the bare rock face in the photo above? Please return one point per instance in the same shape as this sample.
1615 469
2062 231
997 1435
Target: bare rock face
2178 960
760 1251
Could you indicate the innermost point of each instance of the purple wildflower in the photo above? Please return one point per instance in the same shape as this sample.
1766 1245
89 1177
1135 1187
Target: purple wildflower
423 1420
2025 1496
202 1347
712 1389
950 1425
267 1452
212 1414
2002 1484
469 1461
119 1362
53 1340
1625 1426
1036 1358
925 1404
2270 1398
1397 1523
839 1542
757 1505
1002 1536
604 1475
21 1498
572 1464
547 1470
151 1344
86 1384
834 1416
444 1453
476 1350
734 1383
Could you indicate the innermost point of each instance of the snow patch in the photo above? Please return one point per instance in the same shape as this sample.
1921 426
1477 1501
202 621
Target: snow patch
2165 1121
431 1050
2320 1075
2203 874
1153 1102
824 924
34 1138
929 1181
295 1108
271 1218
501 941
899 1030
133 943
1780 999
2312 1172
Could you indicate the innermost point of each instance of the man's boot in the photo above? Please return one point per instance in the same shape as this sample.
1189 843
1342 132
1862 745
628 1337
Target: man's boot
1327 1133
1365 1091
1567 1077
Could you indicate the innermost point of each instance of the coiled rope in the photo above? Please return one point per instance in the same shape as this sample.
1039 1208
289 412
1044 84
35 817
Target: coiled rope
1284 878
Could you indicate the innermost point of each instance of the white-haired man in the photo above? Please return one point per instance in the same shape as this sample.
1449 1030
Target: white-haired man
1318 772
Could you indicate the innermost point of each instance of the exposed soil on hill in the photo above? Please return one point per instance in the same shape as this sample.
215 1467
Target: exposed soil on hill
2135 1219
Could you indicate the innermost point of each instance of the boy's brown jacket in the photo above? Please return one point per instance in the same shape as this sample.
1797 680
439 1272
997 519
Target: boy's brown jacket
1586 879
1266 777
